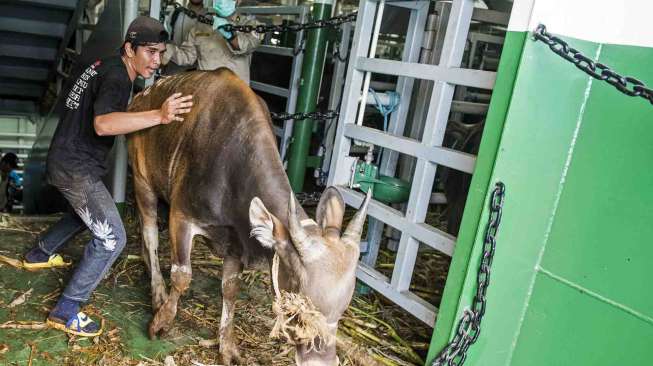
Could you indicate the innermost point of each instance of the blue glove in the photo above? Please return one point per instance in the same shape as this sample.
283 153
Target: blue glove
224 8
219 21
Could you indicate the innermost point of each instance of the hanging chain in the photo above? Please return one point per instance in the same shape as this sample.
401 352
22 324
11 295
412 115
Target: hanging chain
469 326
625 84
264 28
317 116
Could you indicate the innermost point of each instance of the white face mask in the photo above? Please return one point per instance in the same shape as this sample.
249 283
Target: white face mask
224 8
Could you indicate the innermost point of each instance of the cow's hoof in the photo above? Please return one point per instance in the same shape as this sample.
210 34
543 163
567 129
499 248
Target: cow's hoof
230 354
163 319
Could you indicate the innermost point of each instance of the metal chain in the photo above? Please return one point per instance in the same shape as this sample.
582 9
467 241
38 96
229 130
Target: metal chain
264 28
625 84
317 115
469 326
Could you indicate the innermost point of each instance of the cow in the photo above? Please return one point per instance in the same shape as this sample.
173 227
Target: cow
220 173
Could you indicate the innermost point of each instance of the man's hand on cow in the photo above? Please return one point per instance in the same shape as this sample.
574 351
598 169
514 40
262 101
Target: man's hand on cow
174 106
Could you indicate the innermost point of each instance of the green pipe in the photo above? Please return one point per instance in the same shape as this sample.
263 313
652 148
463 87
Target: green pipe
309 89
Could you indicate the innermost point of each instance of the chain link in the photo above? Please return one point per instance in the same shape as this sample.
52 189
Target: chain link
625 84
317 115
264 28
469 326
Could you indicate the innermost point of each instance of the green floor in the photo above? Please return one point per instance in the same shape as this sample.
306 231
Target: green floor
122 299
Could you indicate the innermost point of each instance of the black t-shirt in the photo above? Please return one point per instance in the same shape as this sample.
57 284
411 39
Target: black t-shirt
76 150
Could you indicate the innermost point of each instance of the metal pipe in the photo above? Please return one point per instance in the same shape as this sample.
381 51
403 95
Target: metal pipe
119 178
313 64
371 54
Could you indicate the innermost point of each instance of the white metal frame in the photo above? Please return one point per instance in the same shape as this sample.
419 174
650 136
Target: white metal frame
428 151
284 133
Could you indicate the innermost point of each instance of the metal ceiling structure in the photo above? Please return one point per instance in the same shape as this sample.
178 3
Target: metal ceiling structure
33 37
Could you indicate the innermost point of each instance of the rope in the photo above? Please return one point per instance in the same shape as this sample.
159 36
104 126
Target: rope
386 109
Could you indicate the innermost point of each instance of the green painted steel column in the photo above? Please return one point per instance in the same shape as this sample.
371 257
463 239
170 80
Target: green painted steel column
309 90
476 202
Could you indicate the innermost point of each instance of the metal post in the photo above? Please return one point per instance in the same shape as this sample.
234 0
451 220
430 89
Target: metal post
308 94
335 96
119 178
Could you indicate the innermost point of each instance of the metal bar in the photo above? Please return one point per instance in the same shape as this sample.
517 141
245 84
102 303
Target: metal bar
432 154
269 88
295 80
469 107
413 5
433 237
371 55
436 122
487 38
415 305
17 134
351 95
453 75
269 10
8 145
119 177
335 95
491 16
275 50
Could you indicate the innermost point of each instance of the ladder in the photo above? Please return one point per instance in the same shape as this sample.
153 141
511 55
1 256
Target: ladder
284 133
428 151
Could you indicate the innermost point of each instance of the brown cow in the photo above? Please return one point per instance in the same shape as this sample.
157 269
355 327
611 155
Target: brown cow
219 170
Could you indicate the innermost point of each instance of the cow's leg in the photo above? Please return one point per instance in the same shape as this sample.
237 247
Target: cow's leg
181 242
146 201
230 287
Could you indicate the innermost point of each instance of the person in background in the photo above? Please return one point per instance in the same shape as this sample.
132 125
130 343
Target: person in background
213 47
14 191
180 26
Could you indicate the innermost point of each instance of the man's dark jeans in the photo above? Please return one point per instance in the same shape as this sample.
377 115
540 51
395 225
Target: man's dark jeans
94 210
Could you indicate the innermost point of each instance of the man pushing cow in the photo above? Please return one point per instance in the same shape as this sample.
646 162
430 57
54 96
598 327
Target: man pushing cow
94 112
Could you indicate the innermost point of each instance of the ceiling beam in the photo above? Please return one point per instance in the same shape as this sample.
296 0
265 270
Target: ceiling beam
29 52
57 4
24 90
33 27
24 72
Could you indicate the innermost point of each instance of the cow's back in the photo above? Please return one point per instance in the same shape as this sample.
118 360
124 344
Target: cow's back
221 155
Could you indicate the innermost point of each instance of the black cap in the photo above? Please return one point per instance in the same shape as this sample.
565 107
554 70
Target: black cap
144 30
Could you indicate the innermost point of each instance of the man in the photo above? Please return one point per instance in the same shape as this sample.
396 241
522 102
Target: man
213 47
93 114
180 25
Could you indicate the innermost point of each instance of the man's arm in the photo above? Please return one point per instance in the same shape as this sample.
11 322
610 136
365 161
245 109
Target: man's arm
120 123
184 54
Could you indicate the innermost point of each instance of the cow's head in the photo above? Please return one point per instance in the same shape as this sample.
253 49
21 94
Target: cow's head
316 260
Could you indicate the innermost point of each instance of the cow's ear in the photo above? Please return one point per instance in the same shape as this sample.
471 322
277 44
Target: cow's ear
329 213
266 228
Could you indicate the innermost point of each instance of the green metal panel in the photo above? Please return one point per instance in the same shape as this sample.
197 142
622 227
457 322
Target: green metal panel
512 51
567 280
